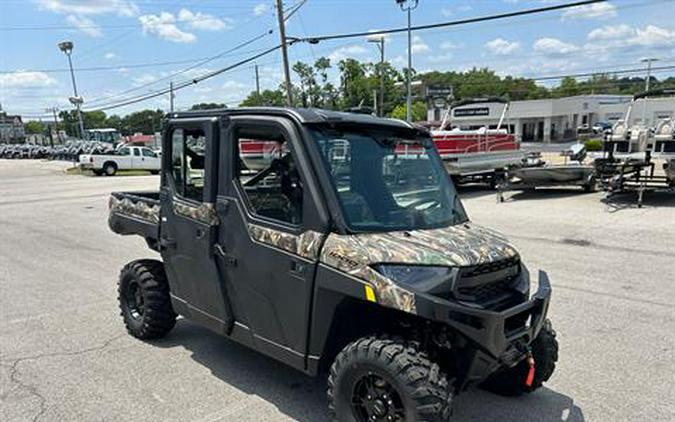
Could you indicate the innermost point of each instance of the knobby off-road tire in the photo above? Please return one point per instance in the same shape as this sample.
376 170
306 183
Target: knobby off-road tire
511 381
143 295
418 388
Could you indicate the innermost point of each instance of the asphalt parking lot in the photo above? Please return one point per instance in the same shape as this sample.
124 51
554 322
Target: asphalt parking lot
64 353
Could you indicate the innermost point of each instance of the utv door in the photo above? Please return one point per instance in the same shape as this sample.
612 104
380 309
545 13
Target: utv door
189 222
270 237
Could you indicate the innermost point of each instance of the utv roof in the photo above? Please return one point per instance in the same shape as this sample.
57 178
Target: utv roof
302 115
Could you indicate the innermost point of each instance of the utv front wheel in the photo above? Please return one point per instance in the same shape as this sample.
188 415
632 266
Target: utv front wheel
143 294
512 381
387 380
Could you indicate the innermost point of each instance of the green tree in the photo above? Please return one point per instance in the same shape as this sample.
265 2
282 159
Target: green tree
94 119
146 122
419 111
207 106
269 98
34 127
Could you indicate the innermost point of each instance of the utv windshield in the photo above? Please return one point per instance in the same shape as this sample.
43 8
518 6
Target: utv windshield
386 182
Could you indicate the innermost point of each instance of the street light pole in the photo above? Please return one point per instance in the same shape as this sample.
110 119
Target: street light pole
649 62
409 6
67 48
379 39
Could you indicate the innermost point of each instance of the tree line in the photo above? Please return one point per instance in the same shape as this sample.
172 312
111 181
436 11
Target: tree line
359 84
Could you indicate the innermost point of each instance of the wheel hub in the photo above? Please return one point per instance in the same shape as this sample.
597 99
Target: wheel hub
375 399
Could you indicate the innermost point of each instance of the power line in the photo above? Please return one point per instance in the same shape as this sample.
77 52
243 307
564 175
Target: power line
525 12
187 69
186 84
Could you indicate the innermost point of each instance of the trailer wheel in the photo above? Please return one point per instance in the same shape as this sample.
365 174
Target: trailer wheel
512 381
145 304
385 379
109 168
591 186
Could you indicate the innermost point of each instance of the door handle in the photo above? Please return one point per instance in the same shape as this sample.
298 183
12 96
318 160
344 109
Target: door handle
167 242
220 251
297 268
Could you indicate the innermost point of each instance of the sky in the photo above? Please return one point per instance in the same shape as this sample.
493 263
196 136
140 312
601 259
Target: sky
126 48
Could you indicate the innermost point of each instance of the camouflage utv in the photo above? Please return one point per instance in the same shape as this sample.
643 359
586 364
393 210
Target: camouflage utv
346 252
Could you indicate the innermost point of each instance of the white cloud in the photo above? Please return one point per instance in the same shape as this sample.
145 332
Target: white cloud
653 36
110 56
419 46
145 78
25 80
619 37
89 7
448 45
611 32
591 11
84 25
449 11
260 9
203 21
441 58
163 26
553 46
502 47
348 51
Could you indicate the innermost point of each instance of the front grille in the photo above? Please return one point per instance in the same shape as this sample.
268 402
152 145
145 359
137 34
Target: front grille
490 267
490 285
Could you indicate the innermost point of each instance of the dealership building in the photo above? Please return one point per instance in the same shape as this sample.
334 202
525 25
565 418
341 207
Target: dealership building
555 119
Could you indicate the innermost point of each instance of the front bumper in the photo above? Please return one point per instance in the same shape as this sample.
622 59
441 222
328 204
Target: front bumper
495 339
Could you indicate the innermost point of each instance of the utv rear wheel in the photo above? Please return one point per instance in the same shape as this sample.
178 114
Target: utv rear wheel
512 381
143 294
387 380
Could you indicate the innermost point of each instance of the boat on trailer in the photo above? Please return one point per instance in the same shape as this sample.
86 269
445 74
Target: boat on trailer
630 164
480 154
572 173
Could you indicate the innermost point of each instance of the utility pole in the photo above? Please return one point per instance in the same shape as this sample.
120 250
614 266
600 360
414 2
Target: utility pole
379 39
649 62
56 126
409 6
257 80
172 96
284 53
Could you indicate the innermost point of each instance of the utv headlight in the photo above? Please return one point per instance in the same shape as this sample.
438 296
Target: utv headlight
421 277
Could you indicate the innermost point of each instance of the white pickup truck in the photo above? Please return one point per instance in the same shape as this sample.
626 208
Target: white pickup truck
126 158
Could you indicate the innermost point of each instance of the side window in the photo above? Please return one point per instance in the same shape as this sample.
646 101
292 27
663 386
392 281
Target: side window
125 151
137 153
187 162
148 153
268 175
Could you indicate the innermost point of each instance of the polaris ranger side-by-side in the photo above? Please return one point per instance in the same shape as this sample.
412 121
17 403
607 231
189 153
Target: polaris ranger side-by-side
350 253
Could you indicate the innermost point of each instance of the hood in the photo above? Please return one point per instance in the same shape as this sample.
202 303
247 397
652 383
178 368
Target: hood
462 245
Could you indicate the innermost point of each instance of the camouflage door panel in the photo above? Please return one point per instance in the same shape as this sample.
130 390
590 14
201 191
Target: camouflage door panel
204 213
137 209
306 245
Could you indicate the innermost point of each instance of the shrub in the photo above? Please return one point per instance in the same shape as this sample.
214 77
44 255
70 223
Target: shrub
593 145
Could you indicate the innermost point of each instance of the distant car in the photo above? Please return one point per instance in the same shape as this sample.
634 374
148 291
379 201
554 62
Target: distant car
585 128
601 127
126 158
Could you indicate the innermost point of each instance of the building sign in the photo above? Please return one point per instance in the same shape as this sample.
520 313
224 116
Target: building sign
470 112
439 91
